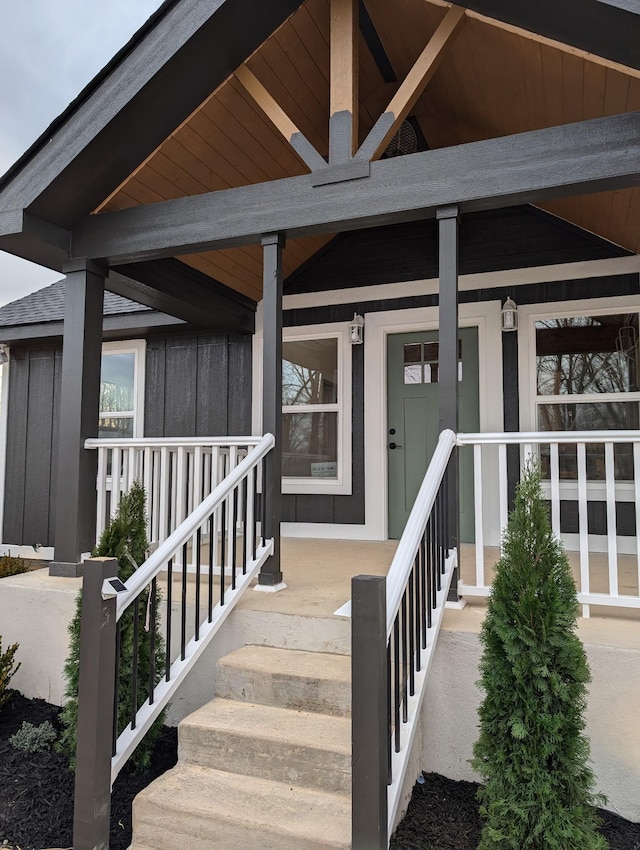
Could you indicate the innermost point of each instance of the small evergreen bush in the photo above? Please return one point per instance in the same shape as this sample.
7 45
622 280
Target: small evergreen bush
7 668
124 538
10 566
34 739
532 752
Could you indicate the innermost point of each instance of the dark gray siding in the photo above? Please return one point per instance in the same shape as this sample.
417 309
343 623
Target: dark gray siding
31 445
196 385
514 238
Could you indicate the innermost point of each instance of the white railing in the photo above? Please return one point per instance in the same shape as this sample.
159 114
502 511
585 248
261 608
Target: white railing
194 614
393 646
177 474
592 481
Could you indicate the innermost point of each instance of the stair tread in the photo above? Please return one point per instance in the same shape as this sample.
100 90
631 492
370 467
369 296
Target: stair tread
290 662
276 808
267 722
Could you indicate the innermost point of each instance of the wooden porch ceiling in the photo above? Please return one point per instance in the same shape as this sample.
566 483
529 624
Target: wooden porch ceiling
493 80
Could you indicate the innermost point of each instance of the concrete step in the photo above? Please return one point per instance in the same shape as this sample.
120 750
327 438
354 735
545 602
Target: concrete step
300 747
199 807
288 678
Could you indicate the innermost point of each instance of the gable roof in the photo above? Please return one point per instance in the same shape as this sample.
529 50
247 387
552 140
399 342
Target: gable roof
192 127
41 315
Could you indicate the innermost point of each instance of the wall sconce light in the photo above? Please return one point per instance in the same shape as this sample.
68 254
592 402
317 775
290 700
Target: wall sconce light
509 315
356 329
4 354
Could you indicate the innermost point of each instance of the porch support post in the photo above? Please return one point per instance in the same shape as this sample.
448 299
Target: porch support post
272 245
448 360
96 691
79 407
511 414
370 746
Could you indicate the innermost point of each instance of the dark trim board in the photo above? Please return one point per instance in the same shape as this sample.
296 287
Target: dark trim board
581 158
608 28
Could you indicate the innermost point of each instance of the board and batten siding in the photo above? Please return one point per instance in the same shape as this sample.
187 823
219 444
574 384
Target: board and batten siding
198 386
195 385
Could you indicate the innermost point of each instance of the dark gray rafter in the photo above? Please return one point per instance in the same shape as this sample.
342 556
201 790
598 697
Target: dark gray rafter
608 28
590 156
172 287
192 47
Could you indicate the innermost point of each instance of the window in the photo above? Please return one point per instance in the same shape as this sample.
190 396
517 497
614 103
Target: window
121 390
421 362
587 380
316 412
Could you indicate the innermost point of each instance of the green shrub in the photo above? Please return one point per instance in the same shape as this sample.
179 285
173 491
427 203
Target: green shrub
7 668
124 538
532 752
10 566
34 739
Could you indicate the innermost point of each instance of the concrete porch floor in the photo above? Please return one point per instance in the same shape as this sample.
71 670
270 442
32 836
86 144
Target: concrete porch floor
318 578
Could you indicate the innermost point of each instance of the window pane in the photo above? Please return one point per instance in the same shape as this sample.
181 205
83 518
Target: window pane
115 428
310 445
587 354
421 362
310 372
593 416
116 382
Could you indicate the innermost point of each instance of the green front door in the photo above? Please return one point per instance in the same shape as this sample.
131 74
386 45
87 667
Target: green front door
412 420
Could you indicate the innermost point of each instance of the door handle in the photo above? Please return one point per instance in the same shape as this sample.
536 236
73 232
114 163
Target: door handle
394 446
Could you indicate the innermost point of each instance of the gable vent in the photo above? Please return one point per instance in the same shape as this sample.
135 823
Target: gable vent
404 142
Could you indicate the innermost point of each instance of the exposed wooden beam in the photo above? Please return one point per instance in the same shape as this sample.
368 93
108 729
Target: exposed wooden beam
414 84
589 156
170 67
609 29
343 111
171 287
280 120
547 42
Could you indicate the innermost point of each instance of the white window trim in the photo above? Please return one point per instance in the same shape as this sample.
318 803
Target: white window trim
342 485
529 315
137 347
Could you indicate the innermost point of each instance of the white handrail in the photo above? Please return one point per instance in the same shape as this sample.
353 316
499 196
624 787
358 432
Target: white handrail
543 437
169 442
403 560
155 563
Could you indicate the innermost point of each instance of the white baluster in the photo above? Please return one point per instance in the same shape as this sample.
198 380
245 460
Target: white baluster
478 513
555 489
612 529
583 524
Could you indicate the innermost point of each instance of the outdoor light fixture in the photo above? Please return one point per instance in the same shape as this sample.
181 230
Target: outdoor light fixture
356 329
509 315
4 354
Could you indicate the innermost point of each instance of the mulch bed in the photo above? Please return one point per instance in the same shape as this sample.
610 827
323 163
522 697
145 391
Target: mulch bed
36 790
443 815
36 797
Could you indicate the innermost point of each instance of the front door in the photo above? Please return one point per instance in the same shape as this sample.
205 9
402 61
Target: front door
412 420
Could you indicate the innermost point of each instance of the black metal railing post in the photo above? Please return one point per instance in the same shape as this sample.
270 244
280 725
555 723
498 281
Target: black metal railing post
370 736
96 685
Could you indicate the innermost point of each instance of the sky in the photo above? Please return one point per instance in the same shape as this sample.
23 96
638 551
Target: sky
49 50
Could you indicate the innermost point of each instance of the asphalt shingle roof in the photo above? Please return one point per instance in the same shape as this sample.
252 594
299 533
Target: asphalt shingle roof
47 305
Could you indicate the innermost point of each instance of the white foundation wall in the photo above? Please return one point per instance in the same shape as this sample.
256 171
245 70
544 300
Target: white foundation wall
450 722
35 611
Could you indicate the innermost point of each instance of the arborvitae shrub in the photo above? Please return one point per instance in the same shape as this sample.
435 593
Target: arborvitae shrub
124 538
532 752
7 668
